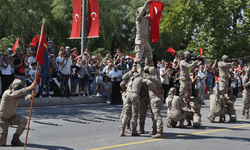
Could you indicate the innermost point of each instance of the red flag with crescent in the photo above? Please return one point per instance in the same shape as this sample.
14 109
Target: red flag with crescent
15 45
155 17
76 21
42 47
35 40
93 18
171 50
201 51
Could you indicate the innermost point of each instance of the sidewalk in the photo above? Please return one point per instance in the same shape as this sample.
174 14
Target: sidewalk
52 101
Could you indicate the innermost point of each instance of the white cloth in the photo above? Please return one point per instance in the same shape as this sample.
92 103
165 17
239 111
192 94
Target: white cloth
58 60
66 69
114 73
99 77
32 73
6 71
164 79
201 75
106 70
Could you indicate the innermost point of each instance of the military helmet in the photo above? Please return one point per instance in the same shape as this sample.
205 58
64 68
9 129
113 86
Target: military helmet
172 91
224 57
16 84
152 70
186 54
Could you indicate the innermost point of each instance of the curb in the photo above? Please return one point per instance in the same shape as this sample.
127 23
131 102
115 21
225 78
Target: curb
53 101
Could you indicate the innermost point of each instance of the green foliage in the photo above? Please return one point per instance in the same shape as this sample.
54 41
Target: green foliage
218 26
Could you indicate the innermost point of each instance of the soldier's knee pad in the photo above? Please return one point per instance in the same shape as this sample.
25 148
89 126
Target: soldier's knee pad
23 122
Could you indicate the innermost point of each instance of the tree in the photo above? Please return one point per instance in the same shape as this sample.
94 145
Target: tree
218 26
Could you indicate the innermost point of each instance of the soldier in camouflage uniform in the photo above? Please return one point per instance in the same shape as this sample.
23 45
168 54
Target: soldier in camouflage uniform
217 106
10 100
175 112
246 95
142 45
131 100
223 75
193 113
229 105
154 87
185 81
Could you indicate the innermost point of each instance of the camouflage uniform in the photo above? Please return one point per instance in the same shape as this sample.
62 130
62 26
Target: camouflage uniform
223 75
154 85
194 111
229 105
185 81
175 112
217 106
131 101
142 45
144 104
9 103
246 96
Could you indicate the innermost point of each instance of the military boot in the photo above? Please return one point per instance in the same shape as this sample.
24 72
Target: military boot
122 131
127 129
181 125
211 118
141 131
222 119
153 132
16 141
158 135
247 114
233 118
134 132
169 125
188 123
243 116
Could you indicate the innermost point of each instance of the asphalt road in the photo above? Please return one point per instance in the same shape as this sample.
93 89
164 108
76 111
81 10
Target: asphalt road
105 135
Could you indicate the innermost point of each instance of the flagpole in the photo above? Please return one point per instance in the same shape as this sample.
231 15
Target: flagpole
83 39
31 105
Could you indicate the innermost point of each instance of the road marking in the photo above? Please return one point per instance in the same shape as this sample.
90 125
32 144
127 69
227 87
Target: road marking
153 140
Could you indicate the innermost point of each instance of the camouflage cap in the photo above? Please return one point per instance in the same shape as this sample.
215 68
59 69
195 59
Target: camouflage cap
186 54
224 57
172 91
17 83
152 70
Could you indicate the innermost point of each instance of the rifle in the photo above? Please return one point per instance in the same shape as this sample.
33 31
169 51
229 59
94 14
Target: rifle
202 58
235 59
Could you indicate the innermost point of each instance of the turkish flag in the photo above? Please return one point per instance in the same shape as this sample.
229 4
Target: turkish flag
35 40
76 22
15 45
171 50
155 17
132 56
74 53
42 47
38 78
93 18
201 51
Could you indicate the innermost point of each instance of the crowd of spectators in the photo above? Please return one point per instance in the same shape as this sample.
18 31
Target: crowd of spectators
96 77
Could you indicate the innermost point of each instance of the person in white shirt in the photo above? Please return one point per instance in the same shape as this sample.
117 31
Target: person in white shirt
99 80
202 74
65 74
115 77
165 75
108 68
7 78
31 59
59 59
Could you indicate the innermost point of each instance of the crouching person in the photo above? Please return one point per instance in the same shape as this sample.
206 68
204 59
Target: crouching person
175 112
229 107
194 110
10 100
217 106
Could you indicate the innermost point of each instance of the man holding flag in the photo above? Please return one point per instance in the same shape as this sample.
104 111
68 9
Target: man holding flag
10 100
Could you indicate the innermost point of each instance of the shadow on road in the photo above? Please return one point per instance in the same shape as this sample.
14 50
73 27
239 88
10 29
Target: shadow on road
48 147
